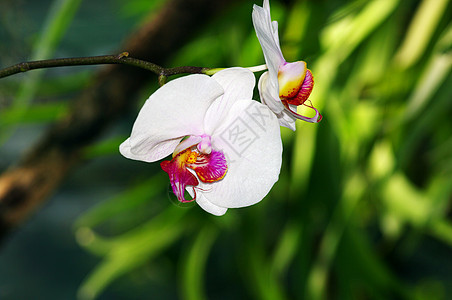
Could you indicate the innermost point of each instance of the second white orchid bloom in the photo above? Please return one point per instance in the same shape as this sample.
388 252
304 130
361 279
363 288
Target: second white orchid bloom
226 148
285 85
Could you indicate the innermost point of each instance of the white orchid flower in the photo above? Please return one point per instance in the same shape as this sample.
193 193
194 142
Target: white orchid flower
226 148
285 85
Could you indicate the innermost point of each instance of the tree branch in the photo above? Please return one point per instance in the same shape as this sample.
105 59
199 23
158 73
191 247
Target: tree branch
122 58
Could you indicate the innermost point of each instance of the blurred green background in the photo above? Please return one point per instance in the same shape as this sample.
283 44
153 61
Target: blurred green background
362 208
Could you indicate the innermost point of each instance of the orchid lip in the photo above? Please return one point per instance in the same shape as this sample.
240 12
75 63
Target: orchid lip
316 119
208 167
290 78
304 91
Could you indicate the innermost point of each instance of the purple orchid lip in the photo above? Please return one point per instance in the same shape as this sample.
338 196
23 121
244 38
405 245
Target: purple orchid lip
208 167
316 119
180 177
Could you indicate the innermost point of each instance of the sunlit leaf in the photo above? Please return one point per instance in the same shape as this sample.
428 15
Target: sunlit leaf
421 29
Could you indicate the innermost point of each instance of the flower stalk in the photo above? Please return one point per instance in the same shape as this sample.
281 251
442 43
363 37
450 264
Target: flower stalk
253 69
122 58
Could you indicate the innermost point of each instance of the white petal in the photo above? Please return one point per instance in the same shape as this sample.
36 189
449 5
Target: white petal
209 206
250 139
175 110
160 151
269 93
270 97
268 38
191 141
204 203
238 84
275 32
286 120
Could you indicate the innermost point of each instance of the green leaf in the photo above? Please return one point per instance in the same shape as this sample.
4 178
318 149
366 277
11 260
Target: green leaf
40 113
194 260
57 22
421 30
131 250
122 204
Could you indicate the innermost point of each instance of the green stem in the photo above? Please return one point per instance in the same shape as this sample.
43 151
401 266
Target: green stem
122 58
252 69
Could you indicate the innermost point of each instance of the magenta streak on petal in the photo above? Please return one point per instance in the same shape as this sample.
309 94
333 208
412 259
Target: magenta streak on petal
179 177
317 118
210 167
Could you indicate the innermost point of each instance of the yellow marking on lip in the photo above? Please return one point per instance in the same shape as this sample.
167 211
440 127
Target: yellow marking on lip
191 158
290 78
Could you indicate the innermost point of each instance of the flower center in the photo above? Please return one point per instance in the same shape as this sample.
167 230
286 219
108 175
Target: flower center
205 146
208 164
